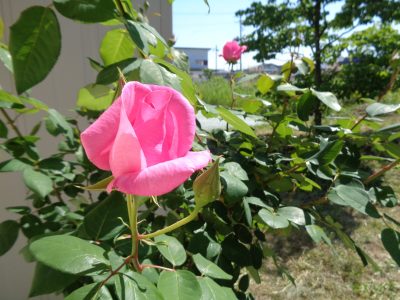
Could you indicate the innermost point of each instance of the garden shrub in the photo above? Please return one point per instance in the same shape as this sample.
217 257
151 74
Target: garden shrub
209 238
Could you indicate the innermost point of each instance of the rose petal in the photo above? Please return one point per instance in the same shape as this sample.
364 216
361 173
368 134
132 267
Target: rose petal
133 95
180 127
161 178
150 126
126 154
98 138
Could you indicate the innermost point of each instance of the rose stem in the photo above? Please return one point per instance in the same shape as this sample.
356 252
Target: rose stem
132 213
172 227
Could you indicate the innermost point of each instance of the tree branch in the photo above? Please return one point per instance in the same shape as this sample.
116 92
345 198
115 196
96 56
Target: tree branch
340 36
11 122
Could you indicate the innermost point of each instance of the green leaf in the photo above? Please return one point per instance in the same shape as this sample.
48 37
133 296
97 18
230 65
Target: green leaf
210 269
317 234
14 165
301 66
306 106
95 97
328 99
234 189
310 63
187 87
47 280
22 210
254 273
273 219
264 83
99 186
293 214
8 100
90 292
116 46
6 58
328 154
256 201
151 72
202 243
143 35
110 74
59 121
35 103
357 198
89 11
287 87
392 149
131 285
210 290
287 69
8 235
207 186
247 212
281 184
171 249
103 222
393 128
244 282
179 285
385 195
3 130
69 254
35 44
235 251
37 182
377 109
235 121
391 241
236 170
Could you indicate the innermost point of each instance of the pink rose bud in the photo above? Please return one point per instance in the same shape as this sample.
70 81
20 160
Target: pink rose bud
232 51
144 138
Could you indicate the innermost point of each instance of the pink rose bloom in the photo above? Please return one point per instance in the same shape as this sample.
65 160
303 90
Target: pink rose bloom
232 51
144 138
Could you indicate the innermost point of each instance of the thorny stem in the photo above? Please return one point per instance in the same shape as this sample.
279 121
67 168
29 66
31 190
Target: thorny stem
172 227
115 272
157 267
359 121
231 82
132 213
381 171
11 122
231 90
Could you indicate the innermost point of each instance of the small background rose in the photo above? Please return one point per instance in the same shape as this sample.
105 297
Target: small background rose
232 51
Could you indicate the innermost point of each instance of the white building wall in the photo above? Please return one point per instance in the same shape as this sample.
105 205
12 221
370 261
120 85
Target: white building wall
198 57
59 90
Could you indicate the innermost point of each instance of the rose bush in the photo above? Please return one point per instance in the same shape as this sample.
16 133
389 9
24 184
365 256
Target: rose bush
144 138
283 176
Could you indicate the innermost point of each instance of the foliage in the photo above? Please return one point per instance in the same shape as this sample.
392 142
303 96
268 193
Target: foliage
369 64
210 238
290 25
217 91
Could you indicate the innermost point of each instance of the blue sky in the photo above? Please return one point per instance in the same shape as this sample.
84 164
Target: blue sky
193 26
